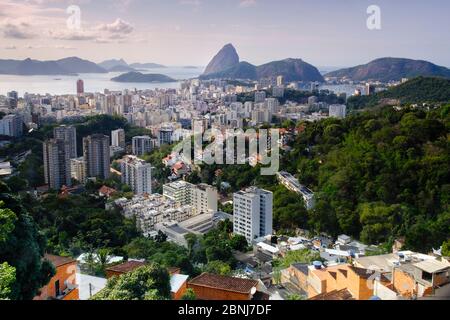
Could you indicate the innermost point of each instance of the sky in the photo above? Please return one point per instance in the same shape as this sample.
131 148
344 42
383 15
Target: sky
189 32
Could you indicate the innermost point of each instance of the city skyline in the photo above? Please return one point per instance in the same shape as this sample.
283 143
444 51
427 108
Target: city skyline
262 30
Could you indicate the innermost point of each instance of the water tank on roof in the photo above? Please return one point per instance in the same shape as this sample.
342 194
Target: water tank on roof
317 265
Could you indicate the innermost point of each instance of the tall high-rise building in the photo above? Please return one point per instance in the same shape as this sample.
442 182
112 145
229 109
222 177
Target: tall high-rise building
12 125
80 87
97 156
118 138
137 174
13 99
69 134
142 145
57 163
253 217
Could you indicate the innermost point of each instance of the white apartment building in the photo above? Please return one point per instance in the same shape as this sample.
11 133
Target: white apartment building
338 111
203 198
78 169
291 183
137 174
118 138
11 125
253 213
179 192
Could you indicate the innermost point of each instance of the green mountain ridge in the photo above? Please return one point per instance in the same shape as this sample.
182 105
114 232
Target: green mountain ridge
390 69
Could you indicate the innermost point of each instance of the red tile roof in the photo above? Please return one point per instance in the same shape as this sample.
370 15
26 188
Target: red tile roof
224 283
58 261
334 295
107 191
126 267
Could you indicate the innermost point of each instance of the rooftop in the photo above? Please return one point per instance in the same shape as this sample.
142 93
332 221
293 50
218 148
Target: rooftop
225 283
58 261
126 267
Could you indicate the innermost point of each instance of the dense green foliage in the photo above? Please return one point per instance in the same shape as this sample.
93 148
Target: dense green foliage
22 247
80 223
7 279
379 175
167 254
299 256
416 91
145 283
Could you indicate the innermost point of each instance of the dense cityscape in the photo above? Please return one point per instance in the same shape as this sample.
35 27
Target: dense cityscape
102 200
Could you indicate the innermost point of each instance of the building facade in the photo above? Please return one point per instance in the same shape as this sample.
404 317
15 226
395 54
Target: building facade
118 138
69 134
137 174
12 125
142 145
253 213
57 164
97 156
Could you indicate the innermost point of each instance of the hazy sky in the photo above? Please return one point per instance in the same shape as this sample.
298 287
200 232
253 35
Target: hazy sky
190 32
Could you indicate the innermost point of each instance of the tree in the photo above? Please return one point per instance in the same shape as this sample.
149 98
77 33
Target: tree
189 295
239 243
446 249
145 283
23 248
218 267
305 256
7 279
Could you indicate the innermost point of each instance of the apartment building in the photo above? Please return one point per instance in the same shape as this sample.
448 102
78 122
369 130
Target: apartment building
253 213
97 156
291 183
69 134
137 174
118 138
78 169
57 169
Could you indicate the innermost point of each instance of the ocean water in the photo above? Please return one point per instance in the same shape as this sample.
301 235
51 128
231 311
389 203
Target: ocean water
60 85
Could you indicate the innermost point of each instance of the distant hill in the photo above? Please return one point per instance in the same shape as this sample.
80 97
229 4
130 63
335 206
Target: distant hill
77 65
419 90
391 69
242 70
34 67
121 69
67 66
113 63
225 59
142 78
290 69
147 66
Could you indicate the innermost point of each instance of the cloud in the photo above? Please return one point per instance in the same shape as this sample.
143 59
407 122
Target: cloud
117 27
194 3
247 3
72 35
10 48
17 31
